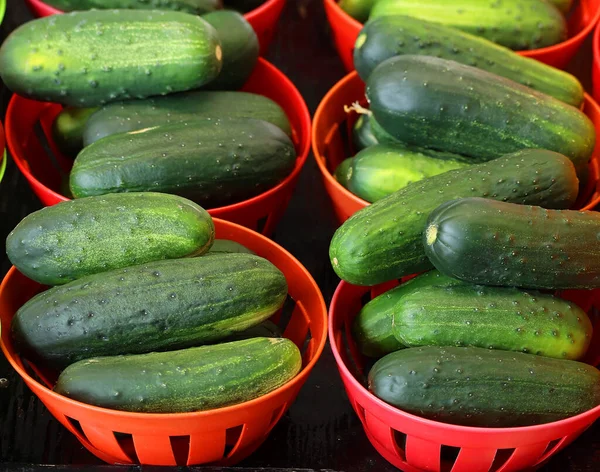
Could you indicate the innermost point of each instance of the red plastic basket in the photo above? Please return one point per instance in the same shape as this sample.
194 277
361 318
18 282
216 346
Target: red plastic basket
223 436
414 444
263 19
262 212
2 152
332 128
581 22
596 63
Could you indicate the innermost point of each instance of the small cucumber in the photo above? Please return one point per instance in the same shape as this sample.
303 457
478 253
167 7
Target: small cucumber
564 6
362 136
343 170
67 129
357 9
225 245
196 7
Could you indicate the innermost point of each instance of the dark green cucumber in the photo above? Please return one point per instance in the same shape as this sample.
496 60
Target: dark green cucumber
516 24
362 136
372 329
461 109
161 305
93 57
194 379
225 245
357 9
243 5
383 169
524 246
211 161
266 329
491 317
196 7
479 387
134 115
342 171
72 239
391 36
240 49
384 240
67 129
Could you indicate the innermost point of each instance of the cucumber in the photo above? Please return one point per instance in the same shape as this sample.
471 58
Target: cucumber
342 171
357 9
491 317
362 136
516 24
240 49
212 161
391 36
383 241
564 6
194 379
67 129
93 57
472 386
372 329
266 329
196 7
72 239
244 5
468 111
134 115
225 245
524 246
162 305
381 170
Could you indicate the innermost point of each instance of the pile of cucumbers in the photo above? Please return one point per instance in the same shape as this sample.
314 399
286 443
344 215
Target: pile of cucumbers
152 103
143 310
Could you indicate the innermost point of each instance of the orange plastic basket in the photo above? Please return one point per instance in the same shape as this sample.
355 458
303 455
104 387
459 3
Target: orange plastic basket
331 143
223 436
415 444
581 21
263 19
596 63
262 212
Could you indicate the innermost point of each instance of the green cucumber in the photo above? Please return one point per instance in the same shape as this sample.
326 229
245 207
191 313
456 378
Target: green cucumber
381 170
342 171
194 379
162 305
225 245
243 5
391 36
384 240
211 161
524 246
134 115
196 7
357 9
472 386
491 317
72 239
362 136
266 329
564 6
468 111
516 24
67 129
89 58
240 49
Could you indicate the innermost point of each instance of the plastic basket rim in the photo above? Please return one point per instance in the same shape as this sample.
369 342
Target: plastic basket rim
588 100
302 155
297 381
596 48
396 412
532 53
3 156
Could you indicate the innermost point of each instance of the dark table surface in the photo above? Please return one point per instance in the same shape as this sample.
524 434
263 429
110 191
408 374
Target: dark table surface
320 431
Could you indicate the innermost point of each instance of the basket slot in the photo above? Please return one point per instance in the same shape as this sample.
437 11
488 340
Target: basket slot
104 440
558 444
423 454
474 460
155 450
308 351
205 448
254 432
297 328
277 414
523 457
381 432
360 411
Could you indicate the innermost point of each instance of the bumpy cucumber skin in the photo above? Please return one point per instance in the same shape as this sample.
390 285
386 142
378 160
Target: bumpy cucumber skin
211 161
461 109
225 245
94 57
72 239
472 386
381 170
194 379
391 36
357 9
372 329
162 305
362 136
492 317
67 129
524 246
383 241
196 7
516 24
133 115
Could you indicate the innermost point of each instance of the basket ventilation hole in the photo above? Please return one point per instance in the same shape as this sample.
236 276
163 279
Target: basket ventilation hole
448 456
277 414
232 437
552 446
125 440
502 456
181 449
260 224
77 426
400 440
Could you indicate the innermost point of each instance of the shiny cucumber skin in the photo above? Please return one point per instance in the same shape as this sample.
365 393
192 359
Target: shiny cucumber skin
503 318
524 246
472 386
134 115
362 136
383 241
516 24
210 161
90 58
225 245
194 379
465 110
67 129
391 36
163 305
357 9
197 7
76 238
342 171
